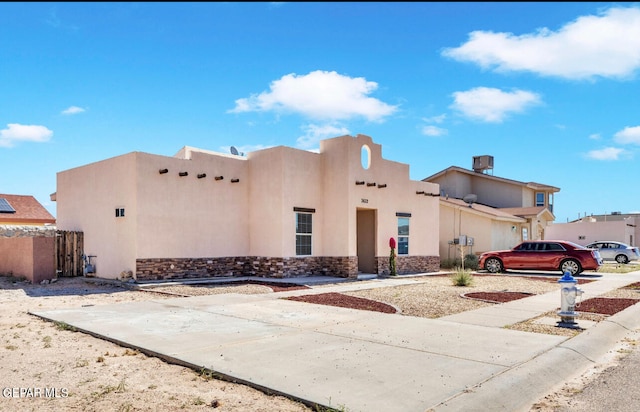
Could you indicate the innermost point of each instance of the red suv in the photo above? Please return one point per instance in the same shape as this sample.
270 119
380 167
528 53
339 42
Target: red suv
543 255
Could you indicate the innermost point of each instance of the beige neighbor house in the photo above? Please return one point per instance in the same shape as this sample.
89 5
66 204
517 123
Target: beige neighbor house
278 212
621 227
485 212
27 238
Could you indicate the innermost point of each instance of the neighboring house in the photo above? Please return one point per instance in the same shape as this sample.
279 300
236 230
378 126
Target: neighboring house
616 226
27 238
277 212
485 228
23 210
514 210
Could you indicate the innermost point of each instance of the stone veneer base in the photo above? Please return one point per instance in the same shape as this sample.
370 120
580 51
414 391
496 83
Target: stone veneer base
409 264
340 266
185 268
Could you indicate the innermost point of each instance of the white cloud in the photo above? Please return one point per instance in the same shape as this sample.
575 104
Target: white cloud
492 105
607 45
73 110
18 132
319 95
435 119
594 136
434 131
314 133
608 153
628 135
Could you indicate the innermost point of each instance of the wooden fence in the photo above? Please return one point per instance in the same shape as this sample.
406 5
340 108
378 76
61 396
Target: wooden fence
69 253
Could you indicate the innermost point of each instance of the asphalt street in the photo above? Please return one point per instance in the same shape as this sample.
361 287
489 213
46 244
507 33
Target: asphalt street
614 388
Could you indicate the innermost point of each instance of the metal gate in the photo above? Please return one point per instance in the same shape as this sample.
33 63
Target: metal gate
69 253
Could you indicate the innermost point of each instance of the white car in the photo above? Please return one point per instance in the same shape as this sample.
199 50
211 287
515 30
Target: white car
618 251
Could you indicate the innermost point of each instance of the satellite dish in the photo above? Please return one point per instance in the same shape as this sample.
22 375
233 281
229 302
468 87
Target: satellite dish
470 199
234 151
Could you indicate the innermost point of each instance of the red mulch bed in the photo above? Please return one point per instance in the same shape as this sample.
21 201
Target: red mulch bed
605 306
345 301
633 286
497 297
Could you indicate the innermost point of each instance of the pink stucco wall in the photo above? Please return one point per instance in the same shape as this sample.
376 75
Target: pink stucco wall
28 257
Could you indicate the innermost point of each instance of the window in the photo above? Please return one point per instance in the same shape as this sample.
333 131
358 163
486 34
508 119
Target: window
119 211
304 229
555 246
365 157
403 235
539 199
525 233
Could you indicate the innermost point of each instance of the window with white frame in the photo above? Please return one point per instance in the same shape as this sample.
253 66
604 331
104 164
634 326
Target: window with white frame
539 199
403 233
304 231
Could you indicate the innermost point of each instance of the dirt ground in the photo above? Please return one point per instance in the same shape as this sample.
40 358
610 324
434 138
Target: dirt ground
48 367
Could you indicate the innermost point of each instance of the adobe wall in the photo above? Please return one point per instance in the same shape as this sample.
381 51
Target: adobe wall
28 252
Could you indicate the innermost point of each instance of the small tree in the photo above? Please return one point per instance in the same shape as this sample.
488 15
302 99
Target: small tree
462 250
392 257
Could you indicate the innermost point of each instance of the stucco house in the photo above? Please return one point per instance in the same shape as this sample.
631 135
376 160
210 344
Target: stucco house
277 212
480 227
27 238
621 227
489 211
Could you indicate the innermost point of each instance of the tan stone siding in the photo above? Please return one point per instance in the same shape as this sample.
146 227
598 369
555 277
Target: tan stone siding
409 264
185 268
27 231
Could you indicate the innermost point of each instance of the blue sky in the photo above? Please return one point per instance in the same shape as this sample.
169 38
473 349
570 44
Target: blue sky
550 90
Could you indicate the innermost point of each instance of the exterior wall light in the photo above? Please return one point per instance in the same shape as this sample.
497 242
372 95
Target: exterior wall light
182 174
163 171
219 177
235 180
201 175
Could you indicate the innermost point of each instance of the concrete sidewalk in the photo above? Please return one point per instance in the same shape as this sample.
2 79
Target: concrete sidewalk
362 361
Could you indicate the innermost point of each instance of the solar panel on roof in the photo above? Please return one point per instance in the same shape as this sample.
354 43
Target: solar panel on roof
5 207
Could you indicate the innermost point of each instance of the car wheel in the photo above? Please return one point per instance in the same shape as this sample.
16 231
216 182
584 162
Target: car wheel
622 259
571 266
493 265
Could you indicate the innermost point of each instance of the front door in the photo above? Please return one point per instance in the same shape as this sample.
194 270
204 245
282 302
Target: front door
366 239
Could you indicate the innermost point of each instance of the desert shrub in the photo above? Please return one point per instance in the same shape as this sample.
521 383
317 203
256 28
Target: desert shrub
462 277
450 263
471 262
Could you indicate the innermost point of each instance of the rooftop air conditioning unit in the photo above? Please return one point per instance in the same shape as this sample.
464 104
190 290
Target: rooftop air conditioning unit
481 163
